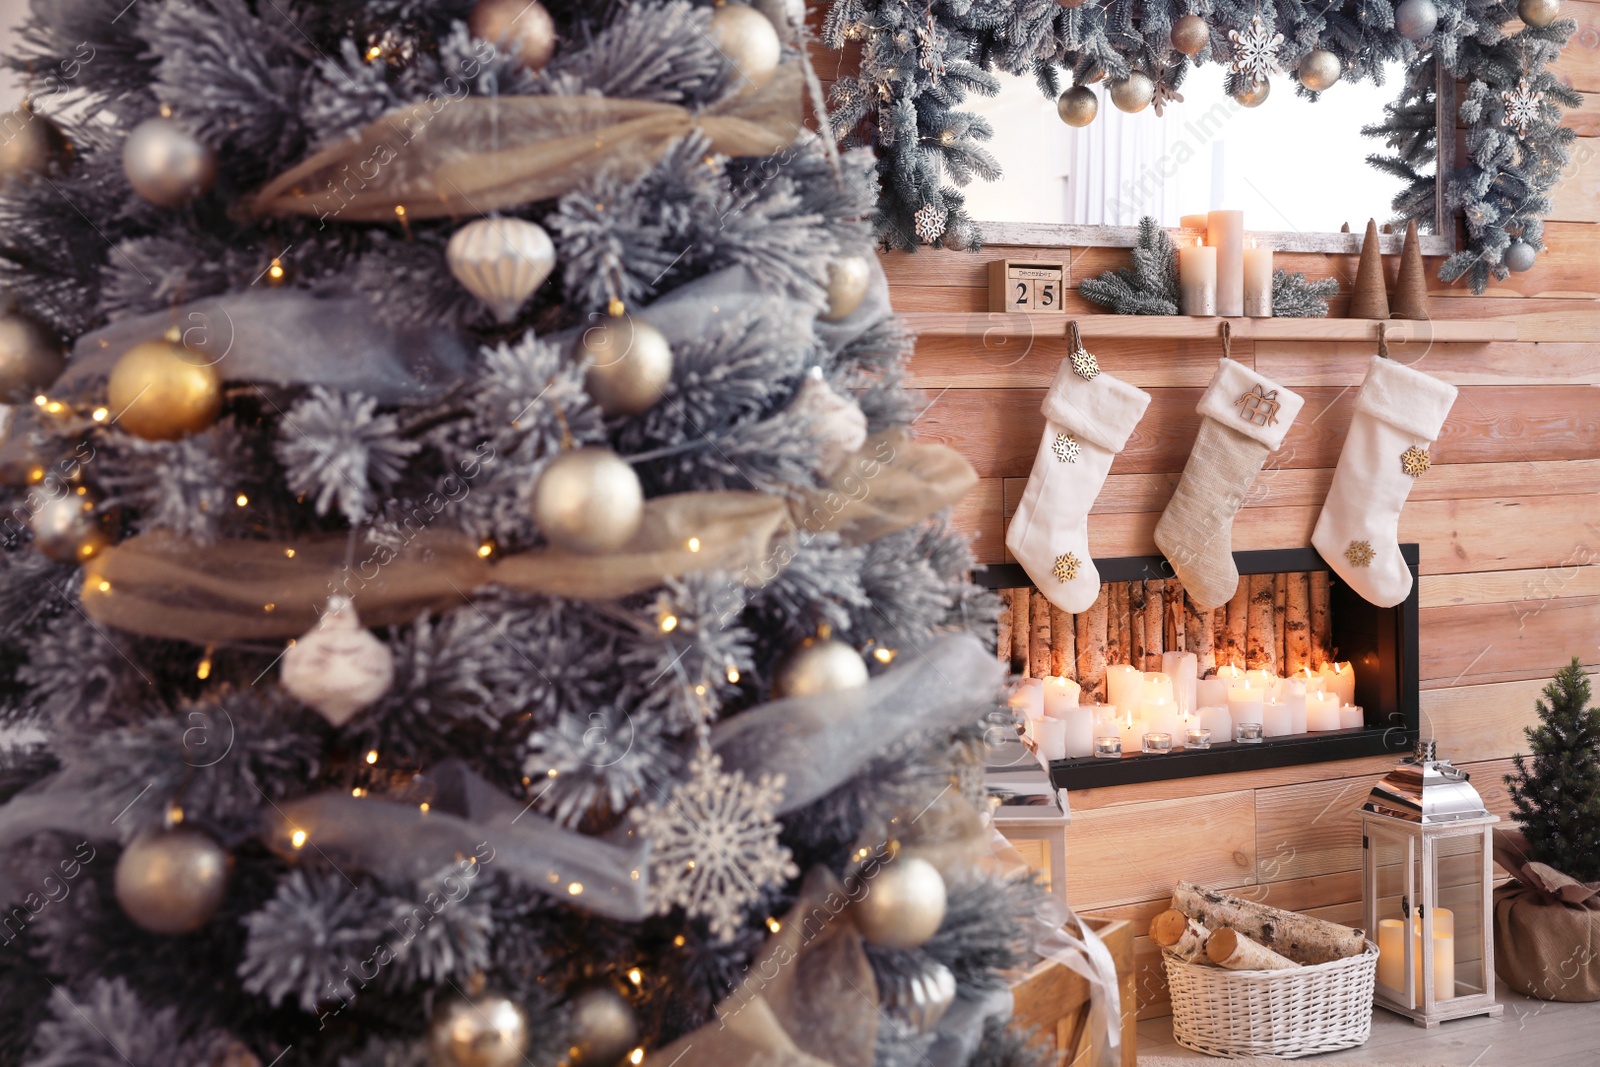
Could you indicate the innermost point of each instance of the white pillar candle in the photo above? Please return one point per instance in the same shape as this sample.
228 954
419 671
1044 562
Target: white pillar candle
1051 737
1225 233
1351 717
1293 694
1275 718
1197 279
1124 686
1132 732
1311 679
1184 669
1230 675
1263 680
1157 686
1078 732
1161 716
1391 955
1210 693
1322 712
1216 719
1339 678
1103 715
1193 222
1059 695
1444 953
1257 280
1027 699
1244 704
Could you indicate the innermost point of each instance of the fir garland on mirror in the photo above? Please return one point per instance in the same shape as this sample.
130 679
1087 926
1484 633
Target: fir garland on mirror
919 63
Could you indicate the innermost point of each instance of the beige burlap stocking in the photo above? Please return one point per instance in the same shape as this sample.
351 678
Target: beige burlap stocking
1245 418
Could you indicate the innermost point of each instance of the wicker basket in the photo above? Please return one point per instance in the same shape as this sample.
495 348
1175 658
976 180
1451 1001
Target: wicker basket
1299 1012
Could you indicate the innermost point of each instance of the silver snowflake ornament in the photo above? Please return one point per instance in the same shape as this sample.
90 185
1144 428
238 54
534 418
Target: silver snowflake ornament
714 844
1255 52
930 223
1523 107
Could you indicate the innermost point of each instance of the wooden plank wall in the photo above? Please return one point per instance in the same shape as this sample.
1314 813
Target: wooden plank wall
1508 521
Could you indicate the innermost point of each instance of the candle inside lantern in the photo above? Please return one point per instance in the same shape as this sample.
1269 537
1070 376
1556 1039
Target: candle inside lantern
1225 233
1351 717
1197 279
1059 695
1257 280
1322 712
1444 953
1391 955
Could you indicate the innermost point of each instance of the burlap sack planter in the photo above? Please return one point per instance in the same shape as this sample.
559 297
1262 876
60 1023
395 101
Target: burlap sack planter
1546 928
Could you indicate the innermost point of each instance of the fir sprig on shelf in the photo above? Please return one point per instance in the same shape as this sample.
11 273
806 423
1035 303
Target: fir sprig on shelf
1294 297
1150 287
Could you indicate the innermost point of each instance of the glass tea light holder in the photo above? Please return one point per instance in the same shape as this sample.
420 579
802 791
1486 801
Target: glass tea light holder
1108 747
1248 733
1158 744
1197 737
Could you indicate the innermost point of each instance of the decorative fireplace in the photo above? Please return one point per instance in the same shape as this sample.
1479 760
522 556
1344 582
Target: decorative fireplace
1292 611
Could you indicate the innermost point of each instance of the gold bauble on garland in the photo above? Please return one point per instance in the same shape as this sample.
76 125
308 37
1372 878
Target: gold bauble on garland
481 1029
31 144
1078 106
603 1028
1253 95
1538 13
166 164
819 665
30 358
1190 35
749 41
589 500
172 881
1133 93
66 528
521 26
1319 70
848 279
904 904
629 365
161 391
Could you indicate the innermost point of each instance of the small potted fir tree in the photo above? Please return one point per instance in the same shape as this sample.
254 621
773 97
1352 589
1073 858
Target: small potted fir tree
1547 920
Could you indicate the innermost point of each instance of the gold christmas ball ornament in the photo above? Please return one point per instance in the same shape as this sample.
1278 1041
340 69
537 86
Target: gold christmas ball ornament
630 365
604 1029
749 41
67 528
589 500
521 26
904 905
848 279
161 391
1254 95
1415 19
1319 70
1539 13
1133 93
166 164
483 1029
31 144
501 262
818 665
1190 35
1078 106
172 881
31 358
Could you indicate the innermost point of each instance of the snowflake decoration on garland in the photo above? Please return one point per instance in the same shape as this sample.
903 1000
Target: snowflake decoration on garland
1165 95
930 47
930 223
1255 52
1523 107
714 844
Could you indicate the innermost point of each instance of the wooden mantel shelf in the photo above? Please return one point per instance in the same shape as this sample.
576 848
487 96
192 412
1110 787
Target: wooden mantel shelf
995 324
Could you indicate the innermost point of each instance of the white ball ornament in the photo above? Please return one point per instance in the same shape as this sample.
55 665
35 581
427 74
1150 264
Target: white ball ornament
1415 19
848 280
629 365
749 41
166 164
339 667
589 500
904 904
819 665
501 261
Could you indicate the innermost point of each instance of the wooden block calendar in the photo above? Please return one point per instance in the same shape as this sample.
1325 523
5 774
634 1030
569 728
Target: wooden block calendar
1018 285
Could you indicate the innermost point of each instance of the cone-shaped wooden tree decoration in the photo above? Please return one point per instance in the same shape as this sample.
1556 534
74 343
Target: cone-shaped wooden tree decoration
1411 288
1370 300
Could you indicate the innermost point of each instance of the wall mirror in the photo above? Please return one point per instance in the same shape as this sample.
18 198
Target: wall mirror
1297 168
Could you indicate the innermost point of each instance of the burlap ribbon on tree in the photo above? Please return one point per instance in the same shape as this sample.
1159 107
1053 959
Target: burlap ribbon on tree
478 154
161 585
1546 927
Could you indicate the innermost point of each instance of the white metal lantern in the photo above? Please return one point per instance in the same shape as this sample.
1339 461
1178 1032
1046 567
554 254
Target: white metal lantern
1427 859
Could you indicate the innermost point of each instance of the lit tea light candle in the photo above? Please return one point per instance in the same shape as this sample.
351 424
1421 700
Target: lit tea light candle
1108 747
1158 743
1197 737
1247 733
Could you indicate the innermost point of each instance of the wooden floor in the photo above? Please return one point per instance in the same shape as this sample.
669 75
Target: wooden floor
1531 1033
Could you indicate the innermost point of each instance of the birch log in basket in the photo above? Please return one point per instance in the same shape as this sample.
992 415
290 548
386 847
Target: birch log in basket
1320 1003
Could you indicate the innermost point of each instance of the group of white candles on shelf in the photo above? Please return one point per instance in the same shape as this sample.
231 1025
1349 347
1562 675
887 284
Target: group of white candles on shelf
1171 709
1220 271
